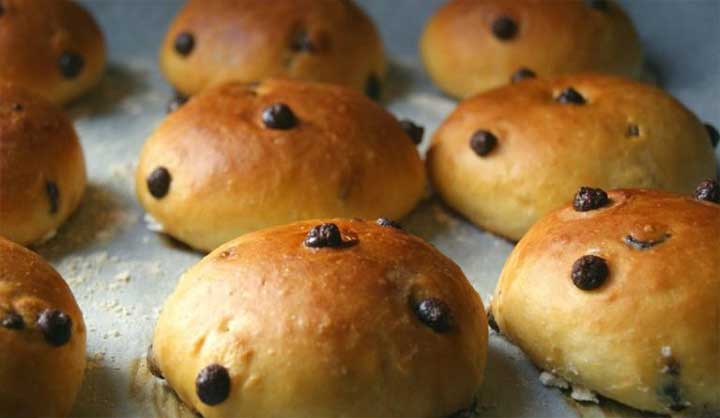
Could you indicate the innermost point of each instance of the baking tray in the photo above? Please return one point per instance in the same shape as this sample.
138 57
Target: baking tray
121 272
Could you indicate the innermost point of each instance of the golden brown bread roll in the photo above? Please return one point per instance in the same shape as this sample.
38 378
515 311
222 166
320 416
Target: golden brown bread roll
42 169
619 293
470 46
325 318
53 48
42 337
506 157
237 158
215 41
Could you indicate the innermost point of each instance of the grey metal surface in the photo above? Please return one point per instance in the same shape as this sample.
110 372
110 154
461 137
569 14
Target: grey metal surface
121 272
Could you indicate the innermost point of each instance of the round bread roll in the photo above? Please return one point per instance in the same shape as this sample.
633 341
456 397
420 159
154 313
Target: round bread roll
42 169
53 48
619 293
323 319
42 337
470 46
507 157
237 158
215 41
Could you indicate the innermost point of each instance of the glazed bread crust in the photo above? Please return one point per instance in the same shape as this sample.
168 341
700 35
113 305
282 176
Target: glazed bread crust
36 378
649 336
546 150
464 57
330 41
324 332
35 34
345 156
42 168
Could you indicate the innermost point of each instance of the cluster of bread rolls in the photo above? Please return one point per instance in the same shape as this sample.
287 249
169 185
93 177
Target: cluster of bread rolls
278 161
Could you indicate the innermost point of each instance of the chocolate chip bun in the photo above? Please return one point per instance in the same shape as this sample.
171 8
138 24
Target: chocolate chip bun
323 318
42 169
506 157
53 48
237 158
471 46
215 41
619 293
42 337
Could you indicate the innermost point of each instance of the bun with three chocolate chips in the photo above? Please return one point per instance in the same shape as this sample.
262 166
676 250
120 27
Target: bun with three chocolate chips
42 337
470 46
507 157
53 48
619 293
211 42
323 318
239 157
42 168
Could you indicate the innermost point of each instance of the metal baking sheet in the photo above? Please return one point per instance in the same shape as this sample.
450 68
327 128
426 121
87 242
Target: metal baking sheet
121 272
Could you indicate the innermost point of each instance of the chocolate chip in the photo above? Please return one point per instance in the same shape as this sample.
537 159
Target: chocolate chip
589 272
641 245
632 130
12 321
415 132
213 384
522 74
301 42
388 223
17 107
279 116
588 198
599 4
56 326
176 102
491 322
435 314
184 43
53 194
2 9
158 182
504 28
373 87
483 142
70 64
570 96
713 134
152 363
709 191
324 235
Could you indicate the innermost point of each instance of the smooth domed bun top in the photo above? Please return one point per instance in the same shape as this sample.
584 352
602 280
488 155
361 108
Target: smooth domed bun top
237 158
506 157
324 318
42 337
215 41
42 168
470 46
53 48
622 298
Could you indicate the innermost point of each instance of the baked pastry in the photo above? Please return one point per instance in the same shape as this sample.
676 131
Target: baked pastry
42 337
215 41
506 157
53 48
239 157
323 318
470 46
618 293
42 169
